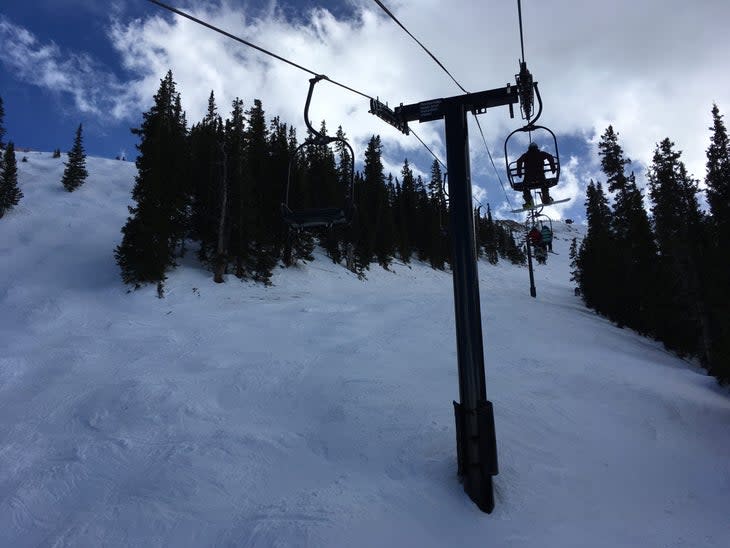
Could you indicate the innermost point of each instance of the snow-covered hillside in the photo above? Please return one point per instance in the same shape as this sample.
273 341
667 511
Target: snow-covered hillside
318 412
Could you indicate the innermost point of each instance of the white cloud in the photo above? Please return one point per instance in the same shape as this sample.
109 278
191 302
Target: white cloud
93 90
650 68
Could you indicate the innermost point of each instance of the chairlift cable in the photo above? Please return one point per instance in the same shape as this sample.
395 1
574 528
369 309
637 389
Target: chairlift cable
394 18
509 202
275 56
429 149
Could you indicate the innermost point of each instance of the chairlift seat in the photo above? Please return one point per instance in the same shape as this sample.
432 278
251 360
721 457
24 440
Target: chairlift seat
517 182
314 217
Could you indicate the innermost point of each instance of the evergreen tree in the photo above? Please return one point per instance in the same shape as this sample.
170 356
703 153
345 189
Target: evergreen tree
718 178
717 273
337 240
206 165
573 256
406 206
325 190
596 252
679 229
488 237
299 244
421 223
10 193
74 175
634 268
509 248
158 221
438 251
375 229
238 185
264 198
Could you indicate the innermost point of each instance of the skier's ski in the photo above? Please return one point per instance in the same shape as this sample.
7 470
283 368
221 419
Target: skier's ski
539 206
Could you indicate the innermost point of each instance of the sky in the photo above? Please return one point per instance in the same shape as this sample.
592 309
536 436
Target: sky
653 69
317 412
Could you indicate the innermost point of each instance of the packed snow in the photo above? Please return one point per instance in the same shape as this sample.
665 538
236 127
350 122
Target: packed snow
317 412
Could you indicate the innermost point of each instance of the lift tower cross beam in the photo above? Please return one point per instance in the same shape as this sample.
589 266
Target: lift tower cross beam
476 444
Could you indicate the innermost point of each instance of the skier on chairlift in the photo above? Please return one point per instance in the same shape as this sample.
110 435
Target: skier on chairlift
547 237
533 164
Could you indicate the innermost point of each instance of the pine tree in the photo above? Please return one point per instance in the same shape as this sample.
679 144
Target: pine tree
158 222
717 274
374 230
679 228
10 193
596 252
488 238
238 185
338 240
508 247
718 178
406 206
573 256
75 173
421 222
299 244
438 251
206 165
264 197
634 269
325 189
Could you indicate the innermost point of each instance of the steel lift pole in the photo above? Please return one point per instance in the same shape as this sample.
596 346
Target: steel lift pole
476 444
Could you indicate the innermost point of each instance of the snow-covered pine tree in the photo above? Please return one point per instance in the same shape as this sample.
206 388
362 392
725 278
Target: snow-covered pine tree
74 175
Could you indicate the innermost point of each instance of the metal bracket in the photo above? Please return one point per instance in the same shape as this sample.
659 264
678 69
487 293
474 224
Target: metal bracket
384 112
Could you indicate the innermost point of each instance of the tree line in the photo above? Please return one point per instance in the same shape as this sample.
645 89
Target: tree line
666 275
217 188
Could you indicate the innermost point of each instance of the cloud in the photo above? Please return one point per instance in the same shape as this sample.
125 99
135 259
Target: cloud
650 68
93 90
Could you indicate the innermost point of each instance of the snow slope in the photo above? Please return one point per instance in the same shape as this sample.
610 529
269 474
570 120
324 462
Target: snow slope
318 412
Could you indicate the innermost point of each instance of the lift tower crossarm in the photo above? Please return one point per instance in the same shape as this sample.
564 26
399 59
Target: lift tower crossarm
477 103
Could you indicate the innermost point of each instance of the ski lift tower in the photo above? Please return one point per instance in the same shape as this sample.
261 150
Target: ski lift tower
476 445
